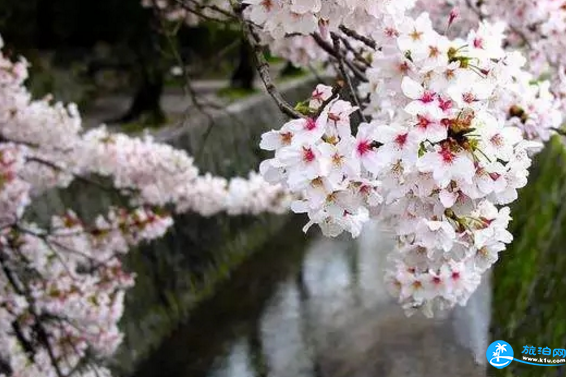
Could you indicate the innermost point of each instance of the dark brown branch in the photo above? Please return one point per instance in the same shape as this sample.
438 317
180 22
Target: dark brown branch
26 344
353 34
263 67
44 338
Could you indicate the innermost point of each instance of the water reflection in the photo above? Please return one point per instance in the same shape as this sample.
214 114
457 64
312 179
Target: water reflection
308 308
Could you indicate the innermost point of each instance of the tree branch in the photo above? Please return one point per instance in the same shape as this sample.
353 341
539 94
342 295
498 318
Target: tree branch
353 34
338 55
356 53
336 42
263 66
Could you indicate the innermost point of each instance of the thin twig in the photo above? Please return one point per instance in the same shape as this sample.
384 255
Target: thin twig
355 52
338 55
189 91
336 41
198 11
335 92
82 178
213 7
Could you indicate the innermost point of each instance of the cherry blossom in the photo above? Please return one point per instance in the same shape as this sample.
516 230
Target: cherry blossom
63 283
453 123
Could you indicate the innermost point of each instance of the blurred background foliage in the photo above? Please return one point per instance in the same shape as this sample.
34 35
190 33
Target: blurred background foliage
529 303
81 49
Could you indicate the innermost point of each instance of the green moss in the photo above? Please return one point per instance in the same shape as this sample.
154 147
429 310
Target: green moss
273 59
290 72
233 94
133 128
147 121
529 305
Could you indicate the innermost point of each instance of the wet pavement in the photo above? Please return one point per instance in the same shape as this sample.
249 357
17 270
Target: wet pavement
310 307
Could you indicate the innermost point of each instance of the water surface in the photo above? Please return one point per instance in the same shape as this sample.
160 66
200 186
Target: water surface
309 307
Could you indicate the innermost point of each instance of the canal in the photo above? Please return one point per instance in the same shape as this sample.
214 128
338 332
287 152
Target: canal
310 307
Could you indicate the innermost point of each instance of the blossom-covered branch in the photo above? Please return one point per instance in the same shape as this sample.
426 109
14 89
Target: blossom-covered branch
453 125
62 284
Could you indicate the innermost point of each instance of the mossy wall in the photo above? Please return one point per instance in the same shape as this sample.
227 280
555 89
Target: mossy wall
175 273
529 302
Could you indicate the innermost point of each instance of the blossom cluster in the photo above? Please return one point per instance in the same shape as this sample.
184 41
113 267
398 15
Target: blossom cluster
452 125
286 26
536 26
281 18
318 159
539 26
62 284
63 289
156 174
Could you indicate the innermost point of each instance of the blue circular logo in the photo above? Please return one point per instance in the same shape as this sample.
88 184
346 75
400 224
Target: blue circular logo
499 354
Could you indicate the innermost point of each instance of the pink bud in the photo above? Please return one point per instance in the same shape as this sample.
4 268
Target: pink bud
453 15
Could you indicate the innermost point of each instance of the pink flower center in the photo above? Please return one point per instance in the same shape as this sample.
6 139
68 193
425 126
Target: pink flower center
468 97
444 105
308 155
363 147
403 67
478 43
428 96
317 95
436 280
424 122
391 32
310 125
447 155
455 276
401 139
433 52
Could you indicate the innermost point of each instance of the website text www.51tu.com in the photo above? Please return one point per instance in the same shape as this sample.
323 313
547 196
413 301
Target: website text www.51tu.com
500 354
